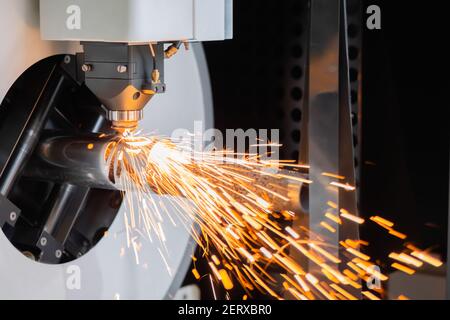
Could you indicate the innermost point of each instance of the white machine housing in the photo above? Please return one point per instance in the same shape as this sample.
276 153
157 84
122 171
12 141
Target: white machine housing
136 21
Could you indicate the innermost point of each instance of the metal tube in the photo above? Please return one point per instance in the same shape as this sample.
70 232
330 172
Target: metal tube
82 161
74 160
68 204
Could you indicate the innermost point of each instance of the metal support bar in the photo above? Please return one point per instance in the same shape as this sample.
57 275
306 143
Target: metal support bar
323 112
329 130
68 204
31 132
347 200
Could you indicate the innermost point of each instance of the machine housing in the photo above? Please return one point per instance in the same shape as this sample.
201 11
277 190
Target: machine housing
136 21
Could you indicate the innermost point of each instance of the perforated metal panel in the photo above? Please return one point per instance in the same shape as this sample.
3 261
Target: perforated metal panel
295 80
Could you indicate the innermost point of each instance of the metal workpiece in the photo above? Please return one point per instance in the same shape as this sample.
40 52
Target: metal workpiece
84 161
75 160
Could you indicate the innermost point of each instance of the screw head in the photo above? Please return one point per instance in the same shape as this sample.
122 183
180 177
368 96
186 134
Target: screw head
122 68
58 253
13 216
86 67
43 241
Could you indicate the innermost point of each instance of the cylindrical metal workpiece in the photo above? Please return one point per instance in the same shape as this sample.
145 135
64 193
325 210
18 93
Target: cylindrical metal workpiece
84 161
75 160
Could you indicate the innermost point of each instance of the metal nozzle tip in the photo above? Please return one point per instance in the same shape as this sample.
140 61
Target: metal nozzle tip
123 121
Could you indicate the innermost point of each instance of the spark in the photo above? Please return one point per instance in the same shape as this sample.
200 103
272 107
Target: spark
382 221
328 227
332 175
235 208
402 257
346 187
266 253
370 295
196 274
302 283
403 268
292 232
215 259
212 287
347 215
215 271
427 258
226 280
334 218
358 254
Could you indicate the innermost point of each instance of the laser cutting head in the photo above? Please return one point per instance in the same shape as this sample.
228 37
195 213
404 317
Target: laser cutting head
124 78
126 41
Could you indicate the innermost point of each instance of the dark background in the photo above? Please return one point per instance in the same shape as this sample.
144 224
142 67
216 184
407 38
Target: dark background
404 162
405 120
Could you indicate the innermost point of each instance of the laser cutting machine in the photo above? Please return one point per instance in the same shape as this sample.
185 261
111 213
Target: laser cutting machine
80 67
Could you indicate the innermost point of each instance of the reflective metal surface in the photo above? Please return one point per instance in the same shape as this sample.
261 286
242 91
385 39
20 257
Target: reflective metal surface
82 161
75 160
323 111
330 143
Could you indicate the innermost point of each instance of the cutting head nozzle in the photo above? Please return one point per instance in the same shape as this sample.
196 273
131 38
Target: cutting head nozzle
125 120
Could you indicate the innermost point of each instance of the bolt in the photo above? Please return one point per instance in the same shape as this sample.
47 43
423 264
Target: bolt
13 216
67 59
86 67
122 68
43 241
58 253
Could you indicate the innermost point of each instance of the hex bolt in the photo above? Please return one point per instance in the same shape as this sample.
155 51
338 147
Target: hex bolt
13 216
86 67
122 68
58 253
43 241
